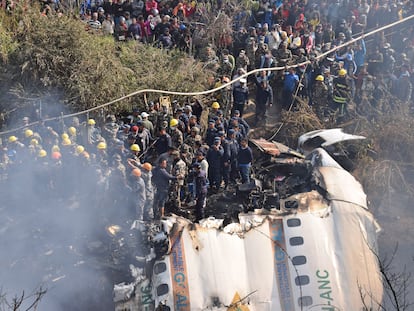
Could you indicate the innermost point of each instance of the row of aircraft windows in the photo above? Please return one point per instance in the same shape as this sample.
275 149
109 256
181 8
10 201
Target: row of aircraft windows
300 280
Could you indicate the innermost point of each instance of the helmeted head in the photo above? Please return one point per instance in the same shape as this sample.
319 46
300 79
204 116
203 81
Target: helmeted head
101 146
135 148
136 172
28 133
147 166
319 78
342 72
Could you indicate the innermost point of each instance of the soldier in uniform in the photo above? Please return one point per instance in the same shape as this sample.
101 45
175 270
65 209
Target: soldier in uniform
176 135
179 169
200 181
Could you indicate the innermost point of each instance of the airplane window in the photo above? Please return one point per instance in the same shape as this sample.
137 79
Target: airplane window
299 260
297 240
293 222
302 280
305 301
162 289
160 268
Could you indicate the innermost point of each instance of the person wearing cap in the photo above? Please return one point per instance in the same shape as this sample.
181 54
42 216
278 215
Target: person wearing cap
143 136
211 132
147 123
177 187
190 139
214 158
201 185
240 96
193 123
241 121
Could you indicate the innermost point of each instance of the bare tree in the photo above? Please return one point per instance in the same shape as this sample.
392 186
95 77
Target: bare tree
22 302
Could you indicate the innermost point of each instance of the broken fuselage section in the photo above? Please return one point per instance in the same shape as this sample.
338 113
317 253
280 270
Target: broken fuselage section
300 237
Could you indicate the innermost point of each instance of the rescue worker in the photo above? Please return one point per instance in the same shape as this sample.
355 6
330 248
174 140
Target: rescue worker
215 106
244 159
139 193
190 139
101 155
72 133
110 129
211 132
146 170
161 180
147 123
92 134
240 96
200 181
176 135
320 97
179 169
163 142
214 159
341 93
290 84
134 152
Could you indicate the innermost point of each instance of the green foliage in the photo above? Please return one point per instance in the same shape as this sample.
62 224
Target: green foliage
7 44
58 53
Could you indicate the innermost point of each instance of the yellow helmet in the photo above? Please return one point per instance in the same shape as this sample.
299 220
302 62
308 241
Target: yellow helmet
79 149
28 133
173 122
91 122
101 146
34 142
55 148
66 142
342 72
135 147
319 78
65 136
72 130
12 139
42 153
215 105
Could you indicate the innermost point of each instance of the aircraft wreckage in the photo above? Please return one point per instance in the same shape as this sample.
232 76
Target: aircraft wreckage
299 237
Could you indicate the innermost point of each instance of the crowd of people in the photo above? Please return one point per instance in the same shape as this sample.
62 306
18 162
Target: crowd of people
277 34
163 153
138 162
